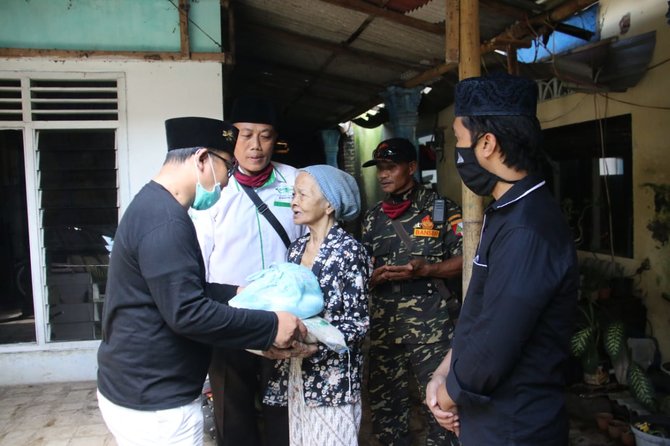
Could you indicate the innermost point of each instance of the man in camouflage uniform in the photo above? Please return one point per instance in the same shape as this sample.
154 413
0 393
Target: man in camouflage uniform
411 328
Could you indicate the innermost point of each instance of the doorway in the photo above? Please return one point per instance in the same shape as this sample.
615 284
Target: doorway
17 313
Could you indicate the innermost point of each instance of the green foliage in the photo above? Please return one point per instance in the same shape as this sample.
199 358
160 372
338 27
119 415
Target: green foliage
640 386
581 340
615 339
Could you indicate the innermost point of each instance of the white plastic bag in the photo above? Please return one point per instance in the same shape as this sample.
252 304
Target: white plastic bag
323 331
282 287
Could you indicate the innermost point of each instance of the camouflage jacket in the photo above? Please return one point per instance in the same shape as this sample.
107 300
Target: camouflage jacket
411 312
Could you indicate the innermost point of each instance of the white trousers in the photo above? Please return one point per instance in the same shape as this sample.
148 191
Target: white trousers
180 426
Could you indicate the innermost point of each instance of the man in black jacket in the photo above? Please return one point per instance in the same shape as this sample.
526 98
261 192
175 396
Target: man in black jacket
504 374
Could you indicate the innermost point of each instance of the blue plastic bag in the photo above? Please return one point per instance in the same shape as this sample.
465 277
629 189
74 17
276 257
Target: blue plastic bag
282 287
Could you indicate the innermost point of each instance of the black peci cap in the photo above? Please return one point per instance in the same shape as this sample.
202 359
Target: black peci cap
499 94
254 110
397 150
191 131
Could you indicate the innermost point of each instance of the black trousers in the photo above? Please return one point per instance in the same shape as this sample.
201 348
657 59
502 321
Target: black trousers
238 379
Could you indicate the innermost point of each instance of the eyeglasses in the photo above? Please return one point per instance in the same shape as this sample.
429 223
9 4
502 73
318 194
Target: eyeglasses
230 166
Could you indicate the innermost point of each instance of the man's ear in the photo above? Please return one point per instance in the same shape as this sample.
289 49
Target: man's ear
201 156
490 143
412 165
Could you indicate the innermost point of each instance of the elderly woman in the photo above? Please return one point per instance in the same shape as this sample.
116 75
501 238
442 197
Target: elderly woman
323 391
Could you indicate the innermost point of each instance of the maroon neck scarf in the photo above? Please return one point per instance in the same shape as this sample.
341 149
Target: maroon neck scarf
396 204
395 210
254 180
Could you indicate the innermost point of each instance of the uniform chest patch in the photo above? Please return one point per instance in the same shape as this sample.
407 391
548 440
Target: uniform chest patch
284 196
426 228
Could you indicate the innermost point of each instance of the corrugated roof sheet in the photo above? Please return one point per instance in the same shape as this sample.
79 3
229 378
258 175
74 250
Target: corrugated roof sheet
328 60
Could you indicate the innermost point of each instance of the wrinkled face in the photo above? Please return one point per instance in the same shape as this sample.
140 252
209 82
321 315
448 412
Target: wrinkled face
308 205
253 149
395 177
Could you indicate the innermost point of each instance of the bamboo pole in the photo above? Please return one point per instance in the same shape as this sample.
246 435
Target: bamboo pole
469 66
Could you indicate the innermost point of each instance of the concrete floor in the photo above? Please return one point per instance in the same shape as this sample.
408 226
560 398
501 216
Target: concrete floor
61 414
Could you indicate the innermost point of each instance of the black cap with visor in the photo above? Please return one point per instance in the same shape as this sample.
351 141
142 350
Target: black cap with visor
396 150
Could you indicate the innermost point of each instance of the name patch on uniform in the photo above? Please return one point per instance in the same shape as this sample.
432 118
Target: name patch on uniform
419 232
425 228
284 196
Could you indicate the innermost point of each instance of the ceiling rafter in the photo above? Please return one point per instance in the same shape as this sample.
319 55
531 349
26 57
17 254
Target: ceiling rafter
518 35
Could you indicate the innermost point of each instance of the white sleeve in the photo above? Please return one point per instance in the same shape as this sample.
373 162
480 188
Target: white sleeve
204 228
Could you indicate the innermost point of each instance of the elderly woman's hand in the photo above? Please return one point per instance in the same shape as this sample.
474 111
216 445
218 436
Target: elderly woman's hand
296 350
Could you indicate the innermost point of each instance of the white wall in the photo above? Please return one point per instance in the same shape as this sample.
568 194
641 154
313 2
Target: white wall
154 92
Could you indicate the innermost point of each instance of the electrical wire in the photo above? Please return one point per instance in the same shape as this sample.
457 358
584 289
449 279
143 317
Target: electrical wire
607 189
657 107
658 64
567 112
198 26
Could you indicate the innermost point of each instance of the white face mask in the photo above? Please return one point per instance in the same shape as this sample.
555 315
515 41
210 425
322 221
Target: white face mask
205 199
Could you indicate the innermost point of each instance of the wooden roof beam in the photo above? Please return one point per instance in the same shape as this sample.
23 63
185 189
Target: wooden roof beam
522 30
516 36
223 58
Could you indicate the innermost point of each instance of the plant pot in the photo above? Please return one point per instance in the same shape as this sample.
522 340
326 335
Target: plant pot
598 378
643 439
602 420
604 293
615 428
657 427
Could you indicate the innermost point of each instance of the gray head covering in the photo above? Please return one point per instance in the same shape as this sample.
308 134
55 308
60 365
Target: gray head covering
339 188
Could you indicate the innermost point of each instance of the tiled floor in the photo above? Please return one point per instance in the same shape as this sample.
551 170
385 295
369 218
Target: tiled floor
63 414
52 414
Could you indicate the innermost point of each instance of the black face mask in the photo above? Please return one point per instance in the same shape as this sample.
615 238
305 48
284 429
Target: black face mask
474 176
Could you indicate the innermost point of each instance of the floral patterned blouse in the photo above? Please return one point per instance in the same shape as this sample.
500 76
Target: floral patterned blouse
343 268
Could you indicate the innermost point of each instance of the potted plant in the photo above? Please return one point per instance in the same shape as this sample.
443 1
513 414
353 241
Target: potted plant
586 344
597 334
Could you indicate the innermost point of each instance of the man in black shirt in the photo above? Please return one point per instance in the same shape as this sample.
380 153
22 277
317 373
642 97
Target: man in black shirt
158 324
504 374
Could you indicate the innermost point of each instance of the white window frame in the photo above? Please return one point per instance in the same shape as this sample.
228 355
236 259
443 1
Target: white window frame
30 129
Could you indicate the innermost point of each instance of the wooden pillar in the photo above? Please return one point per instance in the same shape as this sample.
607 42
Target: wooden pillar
183 29
452 31
469 65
